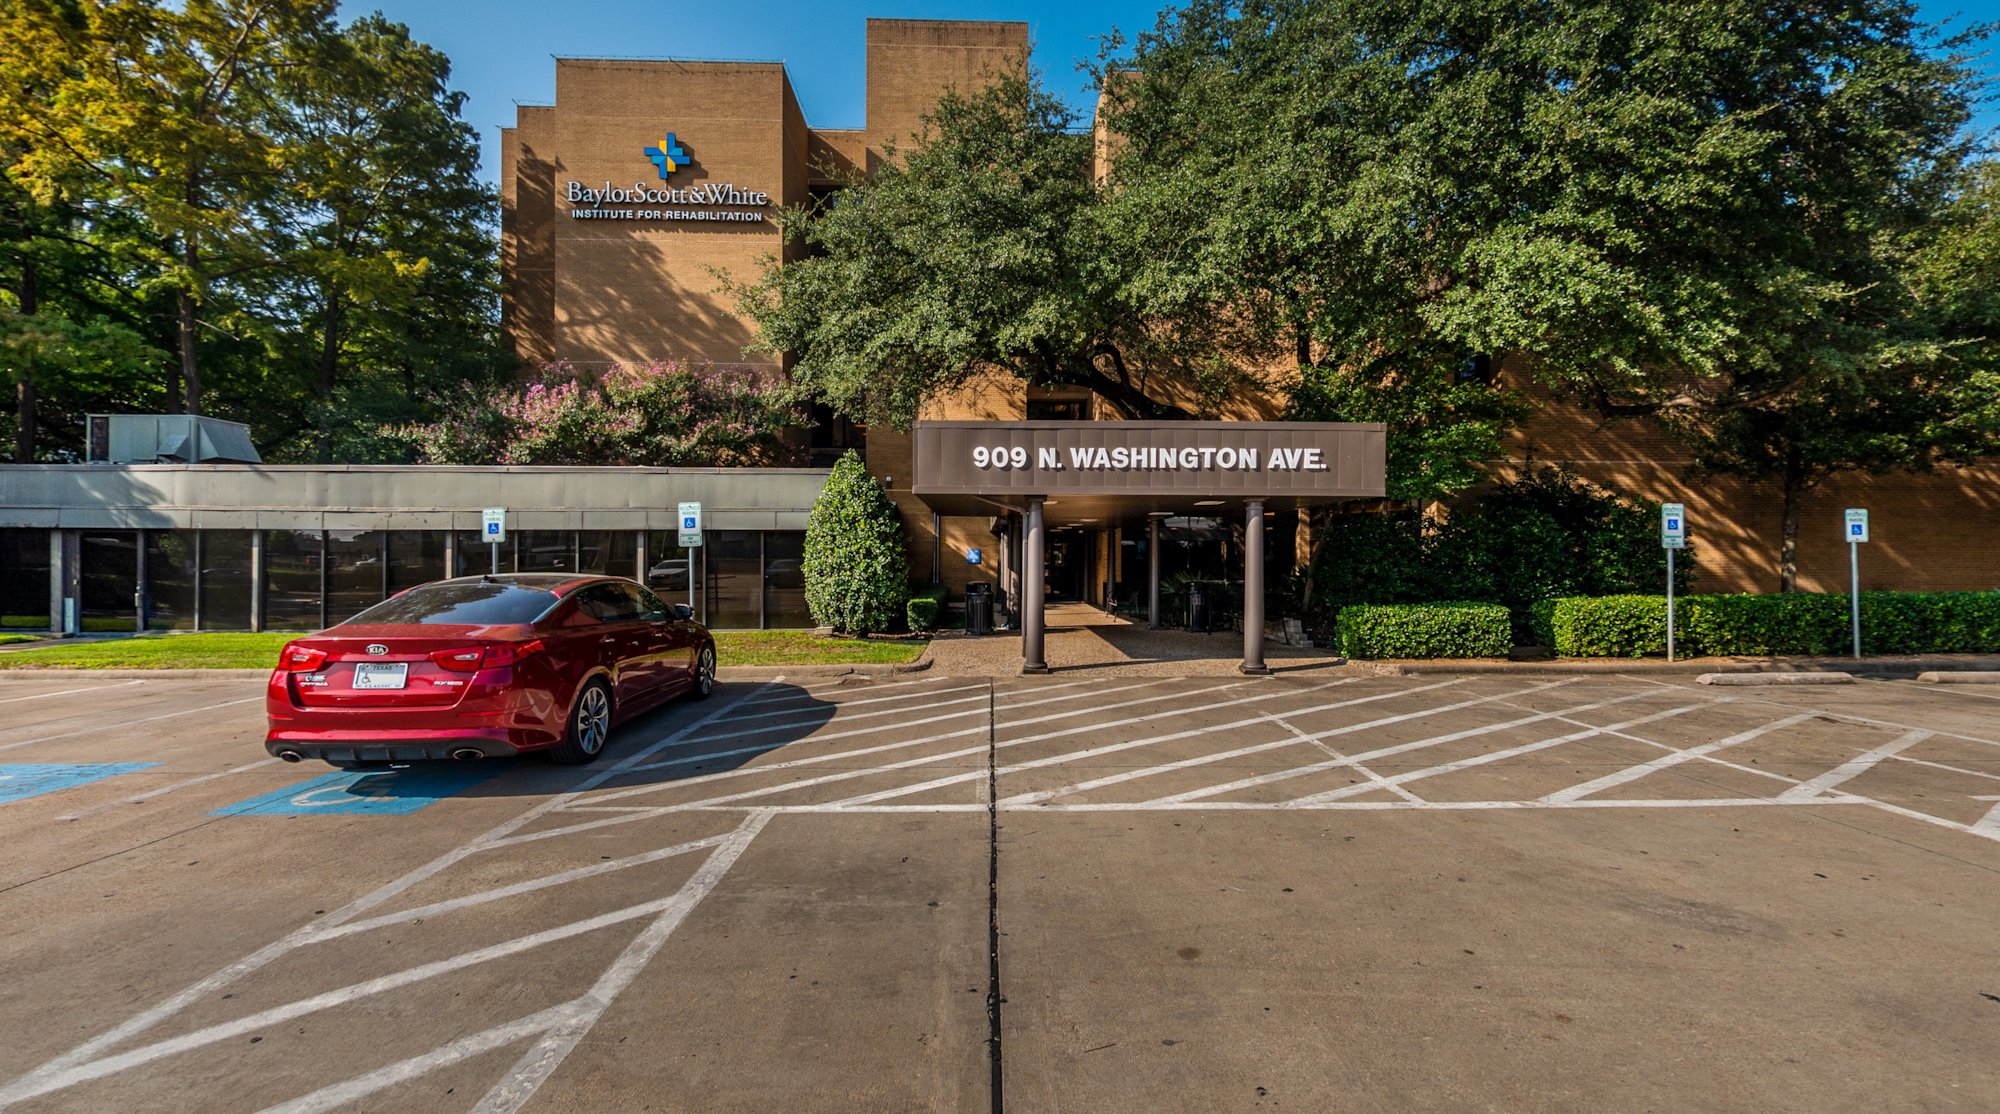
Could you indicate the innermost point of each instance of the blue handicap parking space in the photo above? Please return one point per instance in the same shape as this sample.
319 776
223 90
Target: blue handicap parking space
35 779
388 792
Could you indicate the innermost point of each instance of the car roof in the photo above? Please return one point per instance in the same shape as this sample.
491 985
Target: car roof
560 583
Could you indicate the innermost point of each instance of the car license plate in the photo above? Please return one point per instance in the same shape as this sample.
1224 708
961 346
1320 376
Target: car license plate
381 674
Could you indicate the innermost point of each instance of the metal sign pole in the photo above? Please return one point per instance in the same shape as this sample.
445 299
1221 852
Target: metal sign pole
1854 592
495 547
1670 605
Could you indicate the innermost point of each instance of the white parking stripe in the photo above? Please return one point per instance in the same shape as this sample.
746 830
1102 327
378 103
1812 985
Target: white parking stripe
71 692
100 728
416 1067
1400 748
1207 759
1853 767
539 1062
1667 761
1493 756
165 789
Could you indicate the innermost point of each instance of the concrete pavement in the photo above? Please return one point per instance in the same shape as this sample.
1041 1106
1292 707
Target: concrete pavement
1316 892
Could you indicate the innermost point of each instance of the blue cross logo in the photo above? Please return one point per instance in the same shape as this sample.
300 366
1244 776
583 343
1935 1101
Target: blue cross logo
668 156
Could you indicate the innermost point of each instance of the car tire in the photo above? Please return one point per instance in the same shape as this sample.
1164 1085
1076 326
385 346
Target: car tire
704 674
589 727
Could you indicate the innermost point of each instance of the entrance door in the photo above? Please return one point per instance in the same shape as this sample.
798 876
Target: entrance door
1068 565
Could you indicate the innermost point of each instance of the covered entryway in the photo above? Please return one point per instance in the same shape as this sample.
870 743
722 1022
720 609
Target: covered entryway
1102 484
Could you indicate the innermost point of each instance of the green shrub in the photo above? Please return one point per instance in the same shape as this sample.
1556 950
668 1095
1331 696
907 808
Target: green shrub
1429 630
1541 623
855 568
1607 626
1809 624
924 608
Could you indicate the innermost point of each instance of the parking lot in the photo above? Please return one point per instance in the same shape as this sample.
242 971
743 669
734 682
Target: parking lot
947 893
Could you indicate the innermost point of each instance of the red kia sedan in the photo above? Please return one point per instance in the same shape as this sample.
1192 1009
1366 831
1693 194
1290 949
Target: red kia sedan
485 667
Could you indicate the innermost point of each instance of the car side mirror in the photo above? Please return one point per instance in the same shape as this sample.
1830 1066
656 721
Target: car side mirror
682 613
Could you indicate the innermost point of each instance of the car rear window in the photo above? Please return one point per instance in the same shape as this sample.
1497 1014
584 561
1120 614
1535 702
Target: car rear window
474 604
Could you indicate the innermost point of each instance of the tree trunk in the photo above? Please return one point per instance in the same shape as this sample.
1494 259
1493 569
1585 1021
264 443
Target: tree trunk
24 392
1788 546
1305 345
187 306
329 366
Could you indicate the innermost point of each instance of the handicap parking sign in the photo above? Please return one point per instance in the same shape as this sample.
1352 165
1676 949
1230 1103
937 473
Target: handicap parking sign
688 523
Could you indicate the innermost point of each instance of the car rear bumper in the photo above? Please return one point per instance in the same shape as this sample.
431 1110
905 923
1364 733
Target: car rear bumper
389 750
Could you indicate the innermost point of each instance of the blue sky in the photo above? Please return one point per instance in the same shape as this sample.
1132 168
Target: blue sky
501 49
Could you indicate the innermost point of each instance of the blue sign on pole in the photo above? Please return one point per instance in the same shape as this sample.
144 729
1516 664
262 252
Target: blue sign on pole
971 556
34 779
348 793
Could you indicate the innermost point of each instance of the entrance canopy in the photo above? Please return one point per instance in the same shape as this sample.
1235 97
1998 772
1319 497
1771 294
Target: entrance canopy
1101 472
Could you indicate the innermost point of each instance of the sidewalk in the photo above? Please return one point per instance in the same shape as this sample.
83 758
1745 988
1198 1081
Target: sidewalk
1082 638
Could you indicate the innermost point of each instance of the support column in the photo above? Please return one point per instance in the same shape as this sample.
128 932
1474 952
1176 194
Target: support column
65 582
1253 589
1032 590
1152 572
257 580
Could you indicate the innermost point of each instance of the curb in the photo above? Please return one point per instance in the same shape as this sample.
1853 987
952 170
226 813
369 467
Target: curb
1960 677
1775 679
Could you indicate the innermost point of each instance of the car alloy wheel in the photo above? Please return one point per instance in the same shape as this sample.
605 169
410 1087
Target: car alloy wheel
704 672
593 720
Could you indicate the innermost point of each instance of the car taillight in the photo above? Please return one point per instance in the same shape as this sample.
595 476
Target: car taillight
458 661
473 658
300 659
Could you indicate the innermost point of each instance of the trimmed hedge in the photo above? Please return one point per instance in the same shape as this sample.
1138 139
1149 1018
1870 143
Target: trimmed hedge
1606 626
924 608
856 569
1809 624
1425 630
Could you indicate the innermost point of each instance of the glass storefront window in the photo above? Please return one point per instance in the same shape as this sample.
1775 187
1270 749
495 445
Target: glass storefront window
110 570
415 557
475 555
785 580
667 565
608 552
225 580
733 575
546 551
170 579
292 567
355 575
24 579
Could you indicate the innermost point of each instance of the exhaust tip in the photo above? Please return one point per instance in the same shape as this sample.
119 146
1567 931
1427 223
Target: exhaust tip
291 756
468 754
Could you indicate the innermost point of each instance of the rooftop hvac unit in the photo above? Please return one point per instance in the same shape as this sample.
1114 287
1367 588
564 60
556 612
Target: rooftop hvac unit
168 439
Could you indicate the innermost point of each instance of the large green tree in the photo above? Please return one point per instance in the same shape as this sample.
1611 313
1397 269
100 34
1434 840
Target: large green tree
287 206
984 247
1699 211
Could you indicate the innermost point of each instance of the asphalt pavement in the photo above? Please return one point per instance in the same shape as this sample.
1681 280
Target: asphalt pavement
1094 892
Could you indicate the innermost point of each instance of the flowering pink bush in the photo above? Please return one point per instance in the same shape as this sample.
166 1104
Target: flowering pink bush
663 413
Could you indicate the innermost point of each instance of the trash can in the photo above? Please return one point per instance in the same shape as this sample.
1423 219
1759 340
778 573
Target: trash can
1198 618
979 608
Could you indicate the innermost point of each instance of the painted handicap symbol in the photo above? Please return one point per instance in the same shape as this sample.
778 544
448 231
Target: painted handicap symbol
391 793
19 782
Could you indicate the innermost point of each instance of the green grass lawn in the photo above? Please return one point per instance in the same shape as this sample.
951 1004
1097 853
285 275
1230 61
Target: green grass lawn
5 639
260 651
797 647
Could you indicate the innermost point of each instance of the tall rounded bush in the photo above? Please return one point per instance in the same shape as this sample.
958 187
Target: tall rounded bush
857 575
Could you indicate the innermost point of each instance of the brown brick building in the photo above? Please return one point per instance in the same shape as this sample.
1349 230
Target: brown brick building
624 199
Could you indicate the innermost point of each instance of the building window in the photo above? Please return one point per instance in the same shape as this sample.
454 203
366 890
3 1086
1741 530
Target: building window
225 580
545 551
110 571
1059 409
293 563
415 557
355 574
24 579
1475 369
608 553
785 580
733 574
475 554
171 561
667 566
